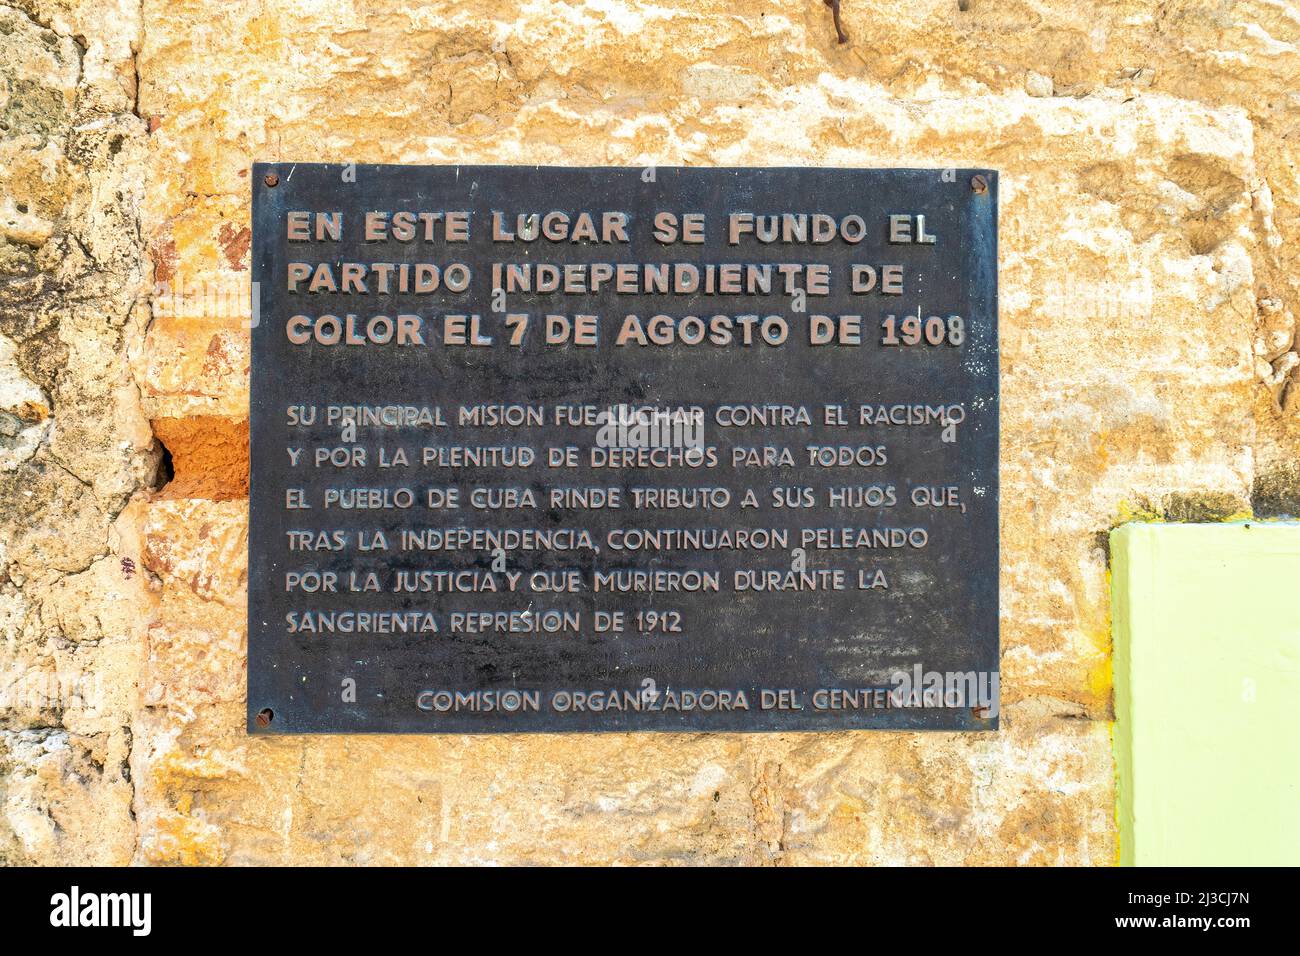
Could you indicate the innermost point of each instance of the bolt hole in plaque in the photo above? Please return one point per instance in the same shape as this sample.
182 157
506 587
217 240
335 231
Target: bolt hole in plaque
593 449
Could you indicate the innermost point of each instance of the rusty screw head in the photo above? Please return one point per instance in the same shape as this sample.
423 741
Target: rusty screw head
979 183
271 179
263 718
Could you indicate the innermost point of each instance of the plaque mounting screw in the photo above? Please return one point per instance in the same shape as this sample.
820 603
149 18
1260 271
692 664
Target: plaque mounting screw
979 183
264 717
271 179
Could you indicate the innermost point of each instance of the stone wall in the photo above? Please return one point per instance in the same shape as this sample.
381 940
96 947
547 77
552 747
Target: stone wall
1150 161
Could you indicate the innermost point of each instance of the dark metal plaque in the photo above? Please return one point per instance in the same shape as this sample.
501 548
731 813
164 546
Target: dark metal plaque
546 449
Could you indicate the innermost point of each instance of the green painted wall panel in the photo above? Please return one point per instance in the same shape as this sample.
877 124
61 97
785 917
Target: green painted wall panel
1206 621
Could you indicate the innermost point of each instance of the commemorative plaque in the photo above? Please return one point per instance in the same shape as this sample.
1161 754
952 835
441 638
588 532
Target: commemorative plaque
593 449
